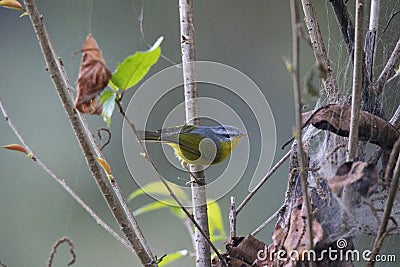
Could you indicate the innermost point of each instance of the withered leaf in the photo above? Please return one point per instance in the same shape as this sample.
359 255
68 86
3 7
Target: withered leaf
93 78
13 4
336 119
296 238
16 147
241 251
362 175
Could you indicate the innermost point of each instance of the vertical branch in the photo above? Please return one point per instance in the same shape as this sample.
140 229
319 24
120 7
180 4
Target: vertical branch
370 41
318 46
357 81
203 254
298 106
123 216
232 219
346 26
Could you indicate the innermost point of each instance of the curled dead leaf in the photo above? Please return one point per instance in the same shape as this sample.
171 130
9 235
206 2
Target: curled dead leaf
13 4
293 239
16 147
104 164
93 78
362 175
241 251
336 119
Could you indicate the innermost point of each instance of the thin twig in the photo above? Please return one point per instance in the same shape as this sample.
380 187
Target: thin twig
318 46
191 92
232 219
266 222
357 81
261 183
391 163
169 189
54 251
298 108
63 87
395 120
390 65
388 209
393 77
101 137
390 20
61 182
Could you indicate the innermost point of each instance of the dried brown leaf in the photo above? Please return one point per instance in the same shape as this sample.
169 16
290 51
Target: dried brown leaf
104 164
362 175
296 238
16 147
336 119
13 4
241 251
93 78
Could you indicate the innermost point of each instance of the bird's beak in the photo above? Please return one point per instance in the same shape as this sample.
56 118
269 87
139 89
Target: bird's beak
243 134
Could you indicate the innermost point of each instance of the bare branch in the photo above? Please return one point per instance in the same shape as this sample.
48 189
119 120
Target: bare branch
357 81
57 73
370 39
318 46
261 183
298 108
61 182
203 253
390 65
346 26
232 219
266 222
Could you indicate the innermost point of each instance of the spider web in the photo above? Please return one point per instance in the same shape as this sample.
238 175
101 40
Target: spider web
327 151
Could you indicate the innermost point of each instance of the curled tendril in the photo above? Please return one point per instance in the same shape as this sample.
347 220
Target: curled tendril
101 137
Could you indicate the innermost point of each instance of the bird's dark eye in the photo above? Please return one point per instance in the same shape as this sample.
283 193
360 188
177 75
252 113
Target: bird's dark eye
227 135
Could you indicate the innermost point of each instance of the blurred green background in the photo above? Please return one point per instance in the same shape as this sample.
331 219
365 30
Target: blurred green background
251 36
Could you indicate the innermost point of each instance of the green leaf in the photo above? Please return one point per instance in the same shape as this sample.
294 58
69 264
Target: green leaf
156 205
173 257
108 100
136 66
216 224
159 189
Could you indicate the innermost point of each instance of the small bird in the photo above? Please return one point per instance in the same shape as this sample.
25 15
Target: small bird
197 145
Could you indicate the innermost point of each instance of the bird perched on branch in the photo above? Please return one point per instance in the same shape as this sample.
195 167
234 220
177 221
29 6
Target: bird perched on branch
197 145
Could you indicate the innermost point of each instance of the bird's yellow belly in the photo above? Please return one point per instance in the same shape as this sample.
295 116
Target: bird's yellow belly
210 154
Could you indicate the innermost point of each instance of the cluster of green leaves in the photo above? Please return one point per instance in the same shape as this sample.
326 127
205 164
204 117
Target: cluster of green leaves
217 231
128 74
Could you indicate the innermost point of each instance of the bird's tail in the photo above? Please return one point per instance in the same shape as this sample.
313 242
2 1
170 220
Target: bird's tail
154 136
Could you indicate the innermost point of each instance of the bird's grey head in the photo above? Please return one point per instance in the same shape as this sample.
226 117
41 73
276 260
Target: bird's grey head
232 131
